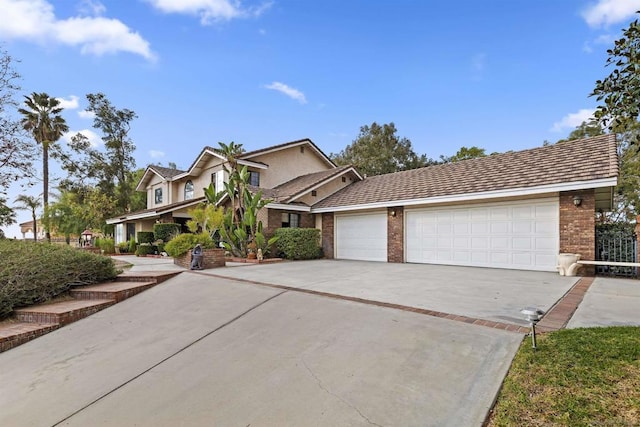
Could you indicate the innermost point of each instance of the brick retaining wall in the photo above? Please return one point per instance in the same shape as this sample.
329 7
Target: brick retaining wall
213 258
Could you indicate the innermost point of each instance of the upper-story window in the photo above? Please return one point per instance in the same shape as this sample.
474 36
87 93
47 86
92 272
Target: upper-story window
158 194
188 190
254 178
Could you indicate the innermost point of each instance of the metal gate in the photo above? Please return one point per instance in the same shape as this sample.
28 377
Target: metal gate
616 242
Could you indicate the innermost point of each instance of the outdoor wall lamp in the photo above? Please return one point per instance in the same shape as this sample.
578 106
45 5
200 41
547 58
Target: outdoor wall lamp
533 315
392 212
577 200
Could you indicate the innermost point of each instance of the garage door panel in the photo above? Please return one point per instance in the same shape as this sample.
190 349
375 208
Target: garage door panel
521 235
361 237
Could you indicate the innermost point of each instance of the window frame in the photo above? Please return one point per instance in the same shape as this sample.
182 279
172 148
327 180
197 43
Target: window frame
191 191
157 195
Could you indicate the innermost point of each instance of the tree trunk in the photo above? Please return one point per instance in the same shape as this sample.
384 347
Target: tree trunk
45 192
35 225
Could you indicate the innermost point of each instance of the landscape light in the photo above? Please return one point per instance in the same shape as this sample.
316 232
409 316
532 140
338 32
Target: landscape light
533 316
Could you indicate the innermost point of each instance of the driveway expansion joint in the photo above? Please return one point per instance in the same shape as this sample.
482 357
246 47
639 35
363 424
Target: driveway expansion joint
433 313
559 315
168 358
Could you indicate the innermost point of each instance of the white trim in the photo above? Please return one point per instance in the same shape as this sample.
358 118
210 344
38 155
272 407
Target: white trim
288 207
159 211
198 159
302 193
253 164
512 192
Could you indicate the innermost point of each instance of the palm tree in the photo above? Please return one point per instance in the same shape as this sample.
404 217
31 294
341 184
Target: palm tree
42 118
30 203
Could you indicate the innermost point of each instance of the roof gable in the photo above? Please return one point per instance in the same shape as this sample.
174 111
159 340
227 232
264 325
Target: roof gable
162 172
301 142
580 162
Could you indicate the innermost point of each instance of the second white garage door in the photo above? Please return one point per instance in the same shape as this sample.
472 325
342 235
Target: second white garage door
361 237
519 235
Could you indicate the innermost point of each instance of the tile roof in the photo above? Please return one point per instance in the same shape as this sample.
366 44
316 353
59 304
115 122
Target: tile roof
570 161
284 192
166 172
306 182
160 209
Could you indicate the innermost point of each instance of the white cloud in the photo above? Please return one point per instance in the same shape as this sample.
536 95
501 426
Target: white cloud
209 10
35 20
155 154
289 91
83 114
69 104
607 12
93 137
573 120
91 8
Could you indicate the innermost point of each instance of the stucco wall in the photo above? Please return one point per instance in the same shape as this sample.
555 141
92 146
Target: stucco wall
326 190
287 164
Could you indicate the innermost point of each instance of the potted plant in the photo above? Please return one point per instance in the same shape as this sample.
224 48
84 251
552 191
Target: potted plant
251 250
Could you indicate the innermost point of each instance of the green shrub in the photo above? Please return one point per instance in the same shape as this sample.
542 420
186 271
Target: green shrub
160 247
181 244
107 246
166 231
298 243
123 247
132 246
146 249
33 273
144 237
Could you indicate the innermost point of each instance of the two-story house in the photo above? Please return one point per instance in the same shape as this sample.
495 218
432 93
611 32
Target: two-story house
294 175
513 210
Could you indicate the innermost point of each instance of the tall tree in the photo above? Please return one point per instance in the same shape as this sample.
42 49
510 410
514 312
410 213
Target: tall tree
30 203
620 90
585 130
15 151
42 118
464 153
112 170
115 125
7 215
378 150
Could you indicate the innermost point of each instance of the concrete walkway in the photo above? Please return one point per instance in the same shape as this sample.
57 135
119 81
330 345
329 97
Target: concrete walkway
609 302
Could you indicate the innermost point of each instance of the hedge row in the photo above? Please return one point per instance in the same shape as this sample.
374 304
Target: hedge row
32 273
298 243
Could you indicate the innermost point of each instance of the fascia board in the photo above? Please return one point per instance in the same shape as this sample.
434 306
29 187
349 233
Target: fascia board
512 192
288 207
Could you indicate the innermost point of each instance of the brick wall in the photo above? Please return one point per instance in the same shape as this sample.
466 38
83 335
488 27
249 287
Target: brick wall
577 226
213 258
327 235
274 220
395 235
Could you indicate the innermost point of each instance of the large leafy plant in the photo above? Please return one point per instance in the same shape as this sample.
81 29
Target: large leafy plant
240 231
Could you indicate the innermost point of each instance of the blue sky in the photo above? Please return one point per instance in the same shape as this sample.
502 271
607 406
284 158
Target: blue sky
498 74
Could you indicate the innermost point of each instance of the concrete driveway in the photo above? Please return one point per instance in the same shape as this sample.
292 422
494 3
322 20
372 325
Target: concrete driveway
199 350
481 293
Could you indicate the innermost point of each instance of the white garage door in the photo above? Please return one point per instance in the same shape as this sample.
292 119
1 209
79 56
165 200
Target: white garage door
519 235
362 237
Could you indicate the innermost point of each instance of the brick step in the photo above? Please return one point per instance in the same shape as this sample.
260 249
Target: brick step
146 276
117 291
15 334
61 313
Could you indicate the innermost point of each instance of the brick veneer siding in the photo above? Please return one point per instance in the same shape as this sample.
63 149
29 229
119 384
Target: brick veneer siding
274 220
395 235
213 258
327 235
578 226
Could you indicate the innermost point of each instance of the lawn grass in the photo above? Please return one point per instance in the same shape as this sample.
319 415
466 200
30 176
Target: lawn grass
577 377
